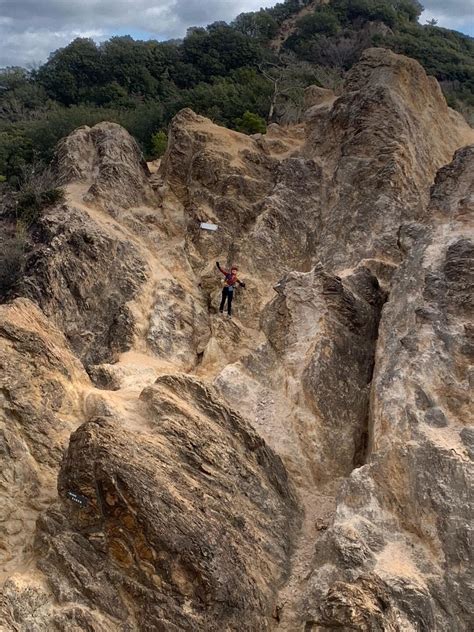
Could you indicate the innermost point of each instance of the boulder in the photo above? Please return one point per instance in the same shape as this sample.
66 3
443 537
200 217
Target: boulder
184 527
109 161
84 277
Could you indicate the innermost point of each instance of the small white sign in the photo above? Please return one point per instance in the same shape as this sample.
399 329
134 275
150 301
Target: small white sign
209 226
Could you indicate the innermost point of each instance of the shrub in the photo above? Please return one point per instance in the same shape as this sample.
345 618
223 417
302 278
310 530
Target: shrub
259 24
159 143
51 197
321 21
12 256
251 123
31 204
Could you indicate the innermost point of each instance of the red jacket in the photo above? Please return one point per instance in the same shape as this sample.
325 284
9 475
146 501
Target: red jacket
230 279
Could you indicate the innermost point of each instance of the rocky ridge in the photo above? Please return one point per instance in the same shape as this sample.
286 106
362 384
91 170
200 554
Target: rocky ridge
304 466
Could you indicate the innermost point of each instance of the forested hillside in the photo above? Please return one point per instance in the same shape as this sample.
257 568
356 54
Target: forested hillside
239 74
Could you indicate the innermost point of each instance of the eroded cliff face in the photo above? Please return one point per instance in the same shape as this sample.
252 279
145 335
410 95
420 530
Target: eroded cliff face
303 466
403 520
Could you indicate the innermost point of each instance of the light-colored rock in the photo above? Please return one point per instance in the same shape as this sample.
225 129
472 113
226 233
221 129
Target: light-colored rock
324 484
179 329
40 405
83 277
380 146
196 542
109 159
317 101
402 528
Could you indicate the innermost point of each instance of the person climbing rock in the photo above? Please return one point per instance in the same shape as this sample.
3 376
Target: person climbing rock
230 282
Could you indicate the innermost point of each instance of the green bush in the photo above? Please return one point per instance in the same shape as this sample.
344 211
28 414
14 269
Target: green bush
251 123
322 21
159 143
12 258
51 198
226 99
31 204
447 58
259 24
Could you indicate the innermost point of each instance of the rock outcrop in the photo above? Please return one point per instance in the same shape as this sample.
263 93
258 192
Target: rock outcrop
304 466
401 533
83 277
389 131
109 160
186 526
179 329
40 386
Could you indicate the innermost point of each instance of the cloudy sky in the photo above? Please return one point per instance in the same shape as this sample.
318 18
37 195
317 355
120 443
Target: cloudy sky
31 29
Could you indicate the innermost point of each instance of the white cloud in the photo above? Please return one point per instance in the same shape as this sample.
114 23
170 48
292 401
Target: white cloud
451 14
451 7
30 47
31 29
56 22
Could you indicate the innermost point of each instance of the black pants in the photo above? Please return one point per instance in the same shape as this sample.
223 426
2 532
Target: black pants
228 295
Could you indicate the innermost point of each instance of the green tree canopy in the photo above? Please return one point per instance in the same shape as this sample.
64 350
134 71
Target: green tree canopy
71 70
260 25
159 143
218 50
251 123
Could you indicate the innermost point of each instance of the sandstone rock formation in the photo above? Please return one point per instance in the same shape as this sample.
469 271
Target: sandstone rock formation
40 384
403 520
302 467
83 276
150 562
110 161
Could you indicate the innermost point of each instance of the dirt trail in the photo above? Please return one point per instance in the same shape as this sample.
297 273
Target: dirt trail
137 368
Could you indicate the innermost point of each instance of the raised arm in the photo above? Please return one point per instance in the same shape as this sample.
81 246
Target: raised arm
224 272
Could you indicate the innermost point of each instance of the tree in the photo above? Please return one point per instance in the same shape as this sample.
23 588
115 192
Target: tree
133 65
251 123
432 22
159 143
12 77
287 9
323 21
219 50
15 151
226 98
411 9
259 25
72 69
289 78
275 74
